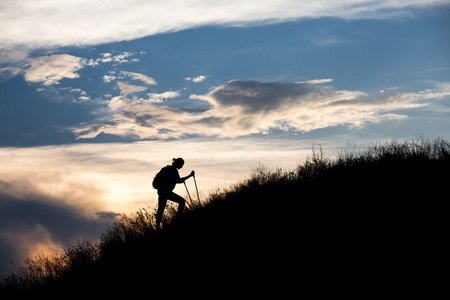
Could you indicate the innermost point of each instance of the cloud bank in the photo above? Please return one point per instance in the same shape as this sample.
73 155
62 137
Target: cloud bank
241 108
32 226
53 23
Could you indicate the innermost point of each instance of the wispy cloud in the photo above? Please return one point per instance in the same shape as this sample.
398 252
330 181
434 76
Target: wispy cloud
317 81
323 38
112 75
50 23
241 108
141 77
126 89
110 58
51 69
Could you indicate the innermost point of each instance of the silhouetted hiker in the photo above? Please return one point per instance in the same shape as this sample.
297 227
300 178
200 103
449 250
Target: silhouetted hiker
166 179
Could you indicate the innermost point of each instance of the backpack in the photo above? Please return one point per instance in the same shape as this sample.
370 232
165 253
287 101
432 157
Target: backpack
158 179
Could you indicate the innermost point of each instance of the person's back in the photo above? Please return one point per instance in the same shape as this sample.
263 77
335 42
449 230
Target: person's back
170 178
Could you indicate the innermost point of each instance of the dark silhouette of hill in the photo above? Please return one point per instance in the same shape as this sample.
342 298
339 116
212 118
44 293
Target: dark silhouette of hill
368 221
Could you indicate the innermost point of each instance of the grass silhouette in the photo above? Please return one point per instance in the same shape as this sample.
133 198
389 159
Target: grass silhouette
329 221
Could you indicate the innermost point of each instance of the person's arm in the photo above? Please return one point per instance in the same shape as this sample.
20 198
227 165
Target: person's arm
181 180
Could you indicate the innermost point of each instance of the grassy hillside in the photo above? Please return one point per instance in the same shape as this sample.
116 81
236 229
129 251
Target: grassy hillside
361 220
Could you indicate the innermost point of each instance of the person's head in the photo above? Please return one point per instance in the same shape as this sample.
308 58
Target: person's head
178 162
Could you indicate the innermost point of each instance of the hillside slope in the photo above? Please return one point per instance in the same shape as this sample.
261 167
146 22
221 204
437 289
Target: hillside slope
323 226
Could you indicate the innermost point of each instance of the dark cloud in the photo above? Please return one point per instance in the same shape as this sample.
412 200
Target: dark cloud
257 96
193 110
213 121
34 224
107 215
240 108
142 119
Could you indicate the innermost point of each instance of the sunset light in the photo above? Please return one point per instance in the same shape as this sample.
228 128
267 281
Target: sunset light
97 96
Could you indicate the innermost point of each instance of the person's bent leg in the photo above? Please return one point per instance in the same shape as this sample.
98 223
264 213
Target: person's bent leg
178 199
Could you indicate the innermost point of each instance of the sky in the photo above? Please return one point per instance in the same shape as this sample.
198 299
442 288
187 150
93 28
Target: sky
96 96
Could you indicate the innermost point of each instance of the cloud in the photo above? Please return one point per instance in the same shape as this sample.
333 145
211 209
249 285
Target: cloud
159 98
126 89
196 79
133 76
9 72
32 226
317 81
241 108
257 107
322 38
122 58
109 57
51 69
141 77
12 62
108 78
53 23
82 95
13 56
44 207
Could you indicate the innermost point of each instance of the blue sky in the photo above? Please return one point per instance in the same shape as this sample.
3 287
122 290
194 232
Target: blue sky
56 90
95 96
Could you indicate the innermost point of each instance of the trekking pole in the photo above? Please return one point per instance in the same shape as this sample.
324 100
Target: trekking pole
187 191
195 181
